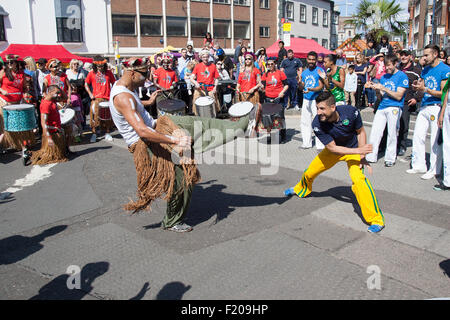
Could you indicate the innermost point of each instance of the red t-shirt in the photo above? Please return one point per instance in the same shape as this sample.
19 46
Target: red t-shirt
248 80
15 86
274 83
101 83
206 74
60 81
53 119
164 77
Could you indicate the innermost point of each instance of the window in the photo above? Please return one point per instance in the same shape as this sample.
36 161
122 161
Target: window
68 20
221 29
201 0
241 29
289 10
199 26
303 13
124 24
315 16
222 1
176 26
264 4
2 29
264 32
151 25
242 2
325 18
325 43
335 18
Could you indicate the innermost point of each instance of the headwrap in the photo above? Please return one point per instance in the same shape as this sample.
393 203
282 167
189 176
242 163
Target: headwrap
51 62
135 63
98 60
167 56
13 57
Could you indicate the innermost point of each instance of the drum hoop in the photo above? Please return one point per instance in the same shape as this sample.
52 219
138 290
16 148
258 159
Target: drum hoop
18 107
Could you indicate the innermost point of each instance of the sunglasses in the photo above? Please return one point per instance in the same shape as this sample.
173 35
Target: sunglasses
249 59
144 73
271 64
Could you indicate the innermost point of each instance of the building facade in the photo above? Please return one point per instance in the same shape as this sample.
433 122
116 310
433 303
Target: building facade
81 26
345 31
313 19
429 23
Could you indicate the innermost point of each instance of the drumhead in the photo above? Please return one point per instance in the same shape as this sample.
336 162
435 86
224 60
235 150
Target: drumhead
271 108
104 104
18 107
171 105
204 101
240 109
66 115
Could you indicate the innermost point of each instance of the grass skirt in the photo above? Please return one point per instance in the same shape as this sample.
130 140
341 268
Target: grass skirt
48 154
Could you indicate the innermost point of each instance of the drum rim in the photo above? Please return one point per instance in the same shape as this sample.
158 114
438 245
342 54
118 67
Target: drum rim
210 99
236 105
15 107
182 105
103 104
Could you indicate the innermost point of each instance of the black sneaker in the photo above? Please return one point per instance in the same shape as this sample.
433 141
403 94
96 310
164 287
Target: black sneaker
441 187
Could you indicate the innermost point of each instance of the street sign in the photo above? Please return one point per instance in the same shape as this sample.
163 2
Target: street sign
287 39
440 30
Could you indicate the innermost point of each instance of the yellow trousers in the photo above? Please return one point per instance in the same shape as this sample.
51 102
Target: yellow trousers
361 186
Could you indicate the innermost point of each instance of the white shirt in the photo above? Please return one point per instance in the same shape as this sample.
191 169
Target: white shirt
126 130
351 82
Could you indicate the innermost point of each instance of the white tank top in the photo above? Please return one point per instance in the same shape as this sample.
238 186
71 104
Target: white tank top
126 130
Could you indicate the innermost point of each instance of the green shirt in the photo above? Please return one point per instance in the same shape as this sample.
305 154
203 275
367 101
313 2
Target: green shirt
337 92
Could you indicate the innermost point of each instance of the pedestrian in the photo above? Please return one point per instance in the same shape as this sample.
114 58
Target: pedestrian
334 79
361 72
56 76
237 51
341 61
412 98
444 125
165 80
351 85
249 81
261 59
384 46
341 130
320 58
443 56
392 88
433 79
208 39
292 68
240 62
311 85
101 79
380 70
75 71
192 55
282 53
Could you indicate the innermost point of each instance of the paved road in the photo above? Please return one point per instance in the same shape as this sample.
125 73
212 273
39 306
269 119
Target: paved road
249 242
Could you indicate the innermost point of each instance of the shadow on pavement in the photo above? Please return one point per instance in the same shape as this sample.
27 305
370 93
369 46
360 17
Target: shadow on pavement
58 288
344 194
445 266
17 247
142 292
173 291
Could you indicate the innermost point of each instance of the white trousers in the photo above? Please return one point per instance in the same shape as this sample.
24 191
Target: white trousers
446 146
427 118
389 116
309 111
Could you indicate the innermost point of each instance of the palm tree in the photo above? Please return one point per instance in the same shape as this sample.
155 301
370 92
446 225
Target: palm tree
375 18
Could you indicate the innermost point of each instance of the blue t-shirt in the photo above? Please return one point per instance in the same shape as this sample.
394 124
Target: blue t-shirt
343 132
393 82
433 77
291 67
311 80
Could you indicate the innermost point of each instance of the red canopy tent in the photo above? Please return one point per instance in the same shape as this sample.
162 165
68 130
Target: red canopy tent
43 51
300 46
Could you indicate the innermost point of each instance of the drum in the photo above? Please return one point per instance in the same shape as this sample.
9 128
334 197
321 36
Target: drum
205 107
66 115
171 106
19 117
272 116
239 110
103 111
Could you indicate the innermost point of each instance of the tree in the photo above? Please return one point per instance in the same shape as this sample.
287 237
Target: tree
375 18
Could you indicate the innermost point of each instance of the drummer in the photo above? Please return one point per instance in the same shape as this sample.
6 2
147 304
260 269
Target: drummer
275 85
205 79
165 79
249 81
53 148
101 79
56 77
12 86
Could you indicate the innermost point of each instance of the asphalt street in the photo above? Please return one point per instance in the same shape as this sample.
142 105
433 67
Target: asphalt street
248 242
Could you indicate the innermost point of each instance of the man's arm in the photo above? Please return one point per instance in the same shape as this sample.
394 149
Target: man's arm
420 86
126 105
397 95
362 149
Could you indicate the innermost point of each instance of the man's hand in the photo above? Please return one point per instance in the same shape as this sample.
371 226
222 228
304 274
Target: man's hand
440 121
418 85
50 142
365 149
412 102
184 142
321 74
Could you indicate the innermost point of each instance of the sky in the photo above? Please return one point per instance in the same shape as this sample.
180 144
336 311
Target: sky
352 8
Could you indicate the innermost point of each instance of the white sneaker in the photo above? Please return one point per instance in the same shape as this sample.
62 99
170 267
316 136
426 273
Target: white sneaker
415 171
108 137
427 176
297 107
93 138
